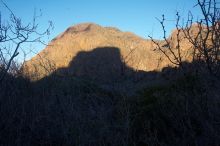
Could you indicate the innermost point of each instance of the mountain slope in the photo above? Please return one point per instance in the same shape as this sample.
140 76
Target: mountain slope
133 51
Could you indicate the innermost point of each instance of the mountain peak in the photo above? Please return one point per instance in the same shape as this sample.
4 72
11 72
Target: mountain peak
82 27
85 28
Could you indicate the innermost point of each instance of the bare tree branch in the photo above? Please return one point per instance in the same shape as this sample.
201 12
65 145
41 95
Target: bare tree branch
203 34
16 33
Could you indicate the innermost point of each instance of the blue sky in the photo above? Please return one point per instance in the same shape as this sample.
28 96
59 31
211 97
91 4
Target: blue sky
137 16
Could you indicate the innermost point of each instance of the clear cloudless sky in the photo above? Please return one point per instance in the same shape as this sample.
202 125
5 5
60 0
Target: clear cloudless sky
137 16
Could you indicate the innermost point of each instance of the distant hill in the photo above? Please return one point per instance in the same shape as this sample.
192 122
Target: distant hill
133 51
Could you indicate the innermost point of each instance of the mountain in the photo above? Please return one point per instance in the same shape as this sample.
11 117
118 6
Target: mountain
121 49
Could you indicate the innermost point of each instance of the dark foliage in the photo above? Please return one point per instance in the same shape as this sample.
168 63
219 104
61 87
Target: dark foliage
69 109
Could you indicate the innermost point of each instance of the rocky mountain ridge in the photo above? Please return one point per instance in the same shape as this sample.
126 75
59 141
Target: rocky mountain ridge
133 52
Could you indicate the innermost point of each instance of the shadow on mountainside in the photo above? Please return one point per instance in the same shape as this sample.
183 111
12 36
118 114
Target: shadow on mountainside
102 65
105 67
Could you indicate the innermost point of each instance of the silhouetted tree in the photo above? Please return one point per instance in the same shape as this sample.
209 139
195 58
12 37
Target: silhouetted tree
13 34
172 54
203 34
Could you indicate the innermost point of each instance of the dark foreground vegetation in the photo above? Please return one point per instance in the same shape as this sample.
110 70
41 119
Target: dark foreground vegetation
183 110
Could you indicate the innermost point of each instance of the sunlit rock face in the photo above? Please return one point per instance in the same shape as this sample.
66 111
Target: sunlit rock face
131 53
